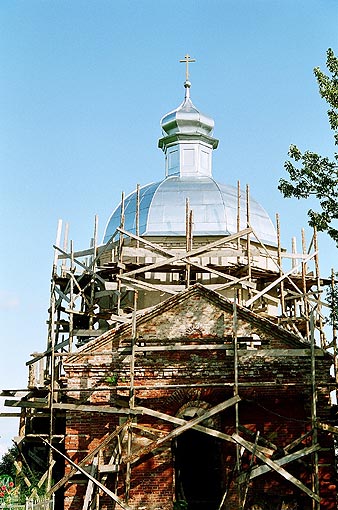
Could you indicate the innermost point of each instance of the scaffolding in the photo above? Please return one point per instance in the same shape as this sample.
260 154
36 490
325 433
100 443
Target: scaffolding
96 290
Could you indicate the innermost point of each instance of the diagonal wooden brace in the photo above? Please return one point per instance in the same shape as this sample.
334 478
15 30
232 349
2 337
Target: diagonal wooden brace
273 465
181 257
88 458
111 494
259 470
188 425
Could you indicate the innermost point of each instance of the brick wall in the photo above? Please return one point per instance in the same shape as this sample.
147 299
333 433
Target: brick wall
275 392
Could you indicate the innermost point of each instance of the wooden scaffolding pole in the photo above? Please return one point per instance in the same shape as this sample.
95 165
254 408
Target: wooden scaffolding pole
120 257
137 218
247 476
248 239
51 344
279 252
239 290
187 241
93 267
71 297
334 306
319 306
295 267
315 480
131 397
304 272
65 248
235 347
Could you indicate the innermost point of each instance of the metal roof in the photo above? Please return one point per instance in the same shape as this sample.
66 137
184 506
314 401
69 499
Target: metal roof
214 205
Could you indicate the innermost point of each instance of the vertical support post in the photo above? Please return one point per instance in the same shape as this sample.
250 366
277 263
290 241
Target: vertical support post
40 372
247 480
279 254
238 217
191 223
92 278
71 298
294 263
120 256
51 399
315 481
239 291
248 236
235 348
57 243
132 360
304 271
187 241
51 345
319 306
334 306
65 248
137 219
131 395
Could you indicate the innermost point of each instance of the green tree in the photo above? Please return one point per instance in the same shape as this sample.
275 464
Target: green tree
7 462
314 175
8 472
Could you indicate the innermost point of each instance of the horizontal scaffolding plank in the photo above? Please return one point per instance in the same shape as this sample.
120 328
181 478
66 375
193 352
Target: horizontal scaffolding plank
96 409
26 403
241 352
108 468
88 332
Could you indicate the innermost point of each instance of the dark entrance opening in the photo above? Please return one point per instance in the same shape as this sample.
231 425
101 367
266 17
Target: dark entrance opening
198 471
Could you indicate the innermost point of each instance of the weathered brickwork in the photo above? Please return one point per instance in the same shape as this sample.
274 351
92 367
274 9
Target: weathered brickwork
274 384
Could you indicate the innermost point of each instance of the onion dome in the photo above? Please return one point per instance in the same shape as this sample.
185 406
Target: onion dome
187 119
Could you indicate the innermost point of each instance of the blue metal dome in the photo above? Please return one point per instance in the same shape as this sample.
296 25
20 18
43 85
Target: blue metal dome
214 205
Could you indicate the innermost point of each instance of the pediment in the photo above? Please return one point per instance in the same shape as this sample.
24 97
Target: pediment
198 315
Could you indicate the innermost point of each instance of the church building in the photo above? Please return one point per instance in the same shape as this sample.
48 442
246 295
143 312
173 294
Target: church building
185 368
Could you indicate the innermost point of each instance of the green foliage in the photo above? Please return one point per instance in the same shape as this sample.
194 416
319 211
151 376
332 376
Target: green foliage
112 379
7 462
16 488
332 299
314 175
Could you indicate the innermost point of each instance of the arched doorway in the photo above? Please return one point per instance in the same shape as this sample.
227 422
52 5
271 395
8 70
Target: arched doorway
197 460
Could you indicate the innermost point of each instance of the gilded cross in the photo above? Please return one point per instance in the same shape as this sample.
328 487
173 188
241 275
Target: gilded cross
187 61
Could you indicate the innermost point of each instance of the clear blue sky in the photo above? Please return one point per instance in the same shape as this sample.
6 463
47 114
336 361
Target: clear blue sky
83 85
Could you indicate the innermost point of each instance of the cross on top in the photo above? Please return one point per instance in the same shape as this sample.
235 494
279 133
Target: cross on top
187 61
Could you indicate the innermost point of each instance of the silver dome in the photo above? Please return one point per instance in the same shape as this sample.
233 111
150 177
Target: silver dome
214 205
187 119
188 145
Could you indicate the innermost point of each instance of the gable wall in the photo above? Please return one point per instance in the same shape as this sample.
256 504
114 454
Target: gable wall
275 392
